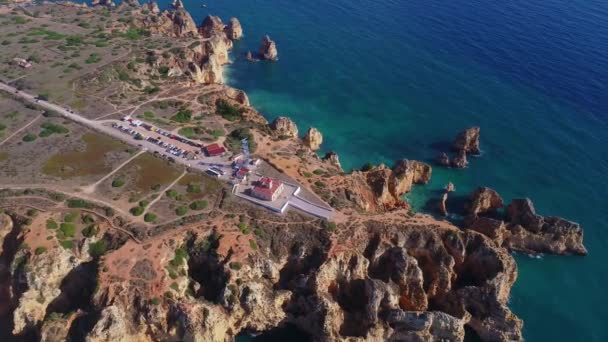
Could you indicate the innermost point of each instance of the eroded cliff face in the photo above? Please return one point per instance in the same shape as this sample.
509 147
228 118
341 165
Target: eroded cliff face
43 280
376 281
203 60
380 188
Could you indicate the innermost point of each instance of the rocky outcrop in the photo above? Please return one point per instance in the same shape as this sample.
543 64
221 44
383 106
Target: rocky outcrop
43 280
524 230
211 26
284 126
6 227
234 30
467 141
380 188
268 49
172 23
152 7
443 159
313 139
442 205
238 96
249 57
210 72
450 187
177 4
333 159
484 200
460 161
106 3
531 232
406 173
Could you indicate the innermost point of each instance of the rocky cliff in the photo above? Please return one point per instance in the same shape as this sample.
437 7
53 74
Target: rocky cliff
380 188
522 229
284 126
411 280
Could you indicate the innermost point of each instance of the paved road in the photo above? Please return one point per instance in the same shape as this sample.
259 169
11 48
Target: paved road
105 127
312 209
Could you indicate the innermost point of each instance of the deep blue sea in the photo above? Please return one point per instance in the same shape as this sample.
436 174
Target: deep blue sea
391 79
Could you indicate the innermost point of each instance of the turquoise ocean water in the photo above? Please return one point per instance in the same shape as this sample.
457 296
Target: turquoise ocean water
390 79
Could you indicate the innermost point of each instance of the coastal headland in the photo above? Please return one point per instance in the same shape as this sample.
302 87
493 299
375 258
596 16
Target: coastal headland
144 199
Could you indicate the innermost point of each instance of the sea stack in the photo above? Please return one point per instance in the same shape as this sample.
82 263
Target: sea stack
268 49
313 139
234 30
468 141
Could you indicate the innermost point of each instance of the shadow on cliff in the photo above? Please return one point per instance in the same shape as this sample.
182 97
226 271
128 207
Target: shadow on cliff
15 281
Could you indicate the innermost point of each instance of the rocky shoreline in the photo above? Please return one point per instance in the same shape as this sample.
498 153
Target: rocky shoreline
380 272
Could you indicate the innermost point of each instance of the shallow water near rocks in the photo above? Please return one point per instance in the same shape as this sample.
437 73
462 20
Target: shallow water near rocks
385 80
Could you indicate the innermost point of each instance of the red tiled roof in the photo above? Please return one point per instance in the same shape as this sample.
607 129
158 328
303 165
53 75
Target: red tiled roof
215 149
262 187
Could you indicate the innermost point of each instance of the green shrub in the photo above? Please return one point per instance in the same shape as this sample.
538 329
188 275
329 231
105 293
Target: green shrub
150 217
51 128
367 166
181 211
51 224
182 116
71 216
171 193
90 231
40 250
87 219
155 301
320 184
118 182
198 205
331 226
79 203
155 187
319 172
193 188
97 249
136 211
307 174
235 265
67 229
93 58
31 212
29 137
228 111
143 203
174 286
253 245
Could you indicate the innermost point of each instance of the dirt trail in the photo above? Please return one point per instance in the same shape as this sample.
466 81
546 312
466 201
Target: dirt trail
20 129
89 189
162 193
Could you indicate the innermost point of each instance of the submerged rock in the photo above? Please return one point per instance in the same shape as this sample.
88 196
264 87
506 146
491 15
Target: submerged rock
443 159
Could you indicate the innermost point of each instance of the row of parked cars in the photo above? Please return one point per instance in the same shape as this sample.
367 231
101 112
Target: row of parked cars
170 148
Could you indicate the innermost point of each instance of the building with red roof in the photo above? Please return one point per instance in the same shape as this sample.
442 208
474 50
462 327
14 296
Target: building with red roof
214 150
267 189
241 173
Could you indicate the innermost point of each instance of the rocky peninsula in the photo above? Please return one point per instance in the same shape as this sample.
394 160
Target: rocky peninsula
376 272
